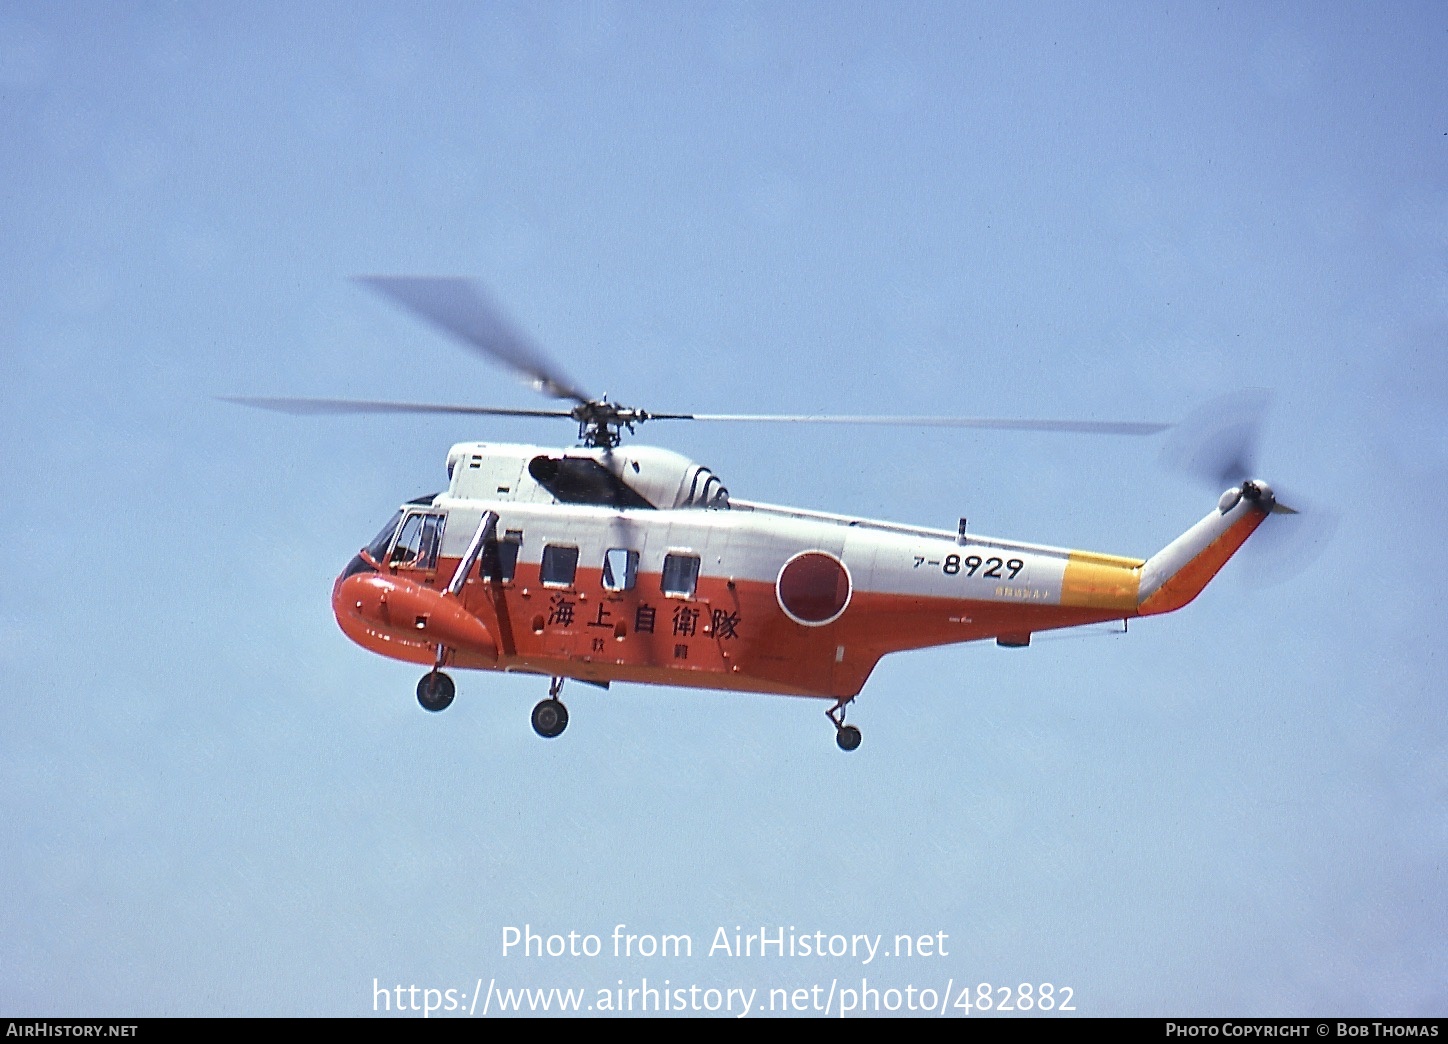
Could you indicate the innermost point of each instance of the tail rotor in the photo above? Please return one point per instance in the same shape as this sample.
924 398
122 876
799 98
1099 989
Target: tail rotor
1217 446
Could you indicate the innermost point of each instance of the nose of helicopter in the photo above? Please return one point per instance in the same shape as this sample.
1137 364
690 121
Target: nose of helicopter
346 606
396 610
358 566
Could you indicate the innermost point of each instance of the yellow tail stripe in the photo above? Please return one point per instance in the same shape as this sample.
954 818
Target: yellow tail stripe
1101 581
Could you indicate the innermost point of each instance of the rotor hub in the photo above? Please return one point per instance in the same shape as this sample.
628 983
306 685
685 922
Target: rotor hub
601 423
1258 492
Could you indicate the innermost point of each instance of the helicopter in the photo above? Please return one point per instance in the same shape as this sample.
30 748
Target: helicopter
607 562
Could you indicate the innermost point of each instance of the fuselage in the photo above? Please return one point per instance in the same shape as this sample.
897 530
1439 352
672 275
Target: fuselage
716 593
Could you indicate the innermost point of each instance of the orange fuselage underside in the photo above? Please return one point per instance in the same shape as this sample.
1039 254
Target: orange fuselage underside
730 635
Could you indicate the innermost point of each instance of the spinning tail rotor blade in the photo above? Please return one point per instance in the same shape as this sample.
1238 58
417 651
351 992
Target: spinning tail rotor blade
1217 446
1288 542
461 309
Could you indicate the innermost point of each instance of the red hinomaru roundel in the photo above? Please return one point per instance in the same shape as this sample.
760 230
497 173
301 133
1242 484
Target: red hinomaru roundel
813 588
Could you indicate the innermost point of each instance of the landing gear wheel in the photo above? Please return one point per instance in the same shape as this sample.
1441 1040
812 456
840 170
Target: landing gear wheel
847 736
435 691
550 718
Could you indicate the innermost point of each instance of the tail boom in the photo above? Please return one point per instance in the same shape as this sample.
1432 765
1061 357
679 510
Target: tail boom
1177 573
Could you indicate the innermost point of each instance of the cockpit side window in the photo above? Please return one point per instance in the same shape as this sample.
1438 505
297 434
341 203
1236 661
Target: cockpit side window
418 541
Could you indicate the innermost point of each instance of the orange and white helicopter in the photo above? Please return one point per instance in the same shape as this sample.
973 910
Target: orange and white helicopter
606 562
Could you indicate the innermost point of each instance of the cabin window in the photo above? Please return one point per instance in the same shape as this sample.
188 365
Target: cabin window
620 569
560 564
499 560
417 542
681 575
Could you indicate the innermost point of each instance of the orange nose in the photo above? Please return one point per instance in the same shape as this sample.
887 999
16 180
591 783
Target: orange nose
412 613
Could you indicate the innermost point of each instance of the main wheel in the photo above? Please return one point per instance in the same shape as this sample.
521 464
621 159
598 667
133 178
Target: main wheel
435 691
550 718
848 737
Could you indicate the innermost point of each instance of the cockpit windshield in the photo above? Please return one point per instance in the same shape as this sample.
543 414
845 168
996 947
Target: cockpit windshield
378 547
410 540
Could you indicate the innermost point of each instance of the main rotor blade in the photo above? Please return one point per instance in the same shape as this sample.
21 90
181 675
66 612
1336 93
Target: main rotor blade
995 423
312 407
460 308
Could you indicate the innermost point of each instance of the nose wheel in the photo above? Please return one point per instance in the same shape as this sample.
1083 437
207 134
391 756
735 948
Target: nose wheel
847 736
435 691
550 717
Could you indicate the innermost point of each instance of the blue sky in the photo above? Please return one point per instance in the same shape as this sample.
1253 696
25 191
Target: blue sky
215 804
